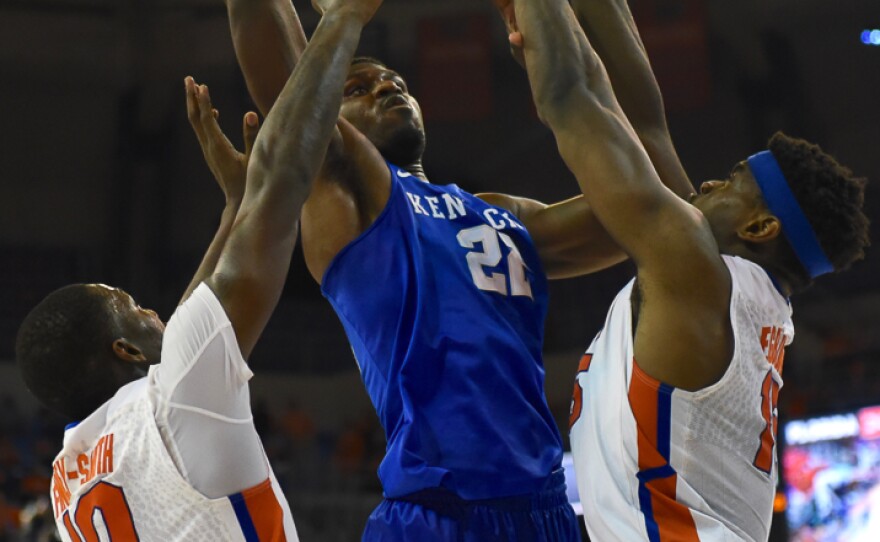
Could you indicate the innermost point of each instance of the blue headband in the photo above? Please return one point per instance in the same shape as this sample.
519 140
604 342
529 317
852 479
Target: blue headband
782 203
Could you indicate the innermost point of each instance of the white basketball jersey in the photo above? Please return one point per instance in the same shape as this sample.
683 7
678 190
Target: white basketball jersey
115 478
656 463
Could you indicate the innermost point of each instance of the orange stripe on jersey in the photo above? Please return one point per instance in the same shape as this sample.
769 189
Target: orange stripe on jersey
666 520
585 362
264 510
577 405
577 395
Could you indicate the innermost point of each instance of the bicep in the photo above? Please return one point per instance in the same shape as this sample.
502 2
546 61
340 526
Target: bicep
569 239
210 405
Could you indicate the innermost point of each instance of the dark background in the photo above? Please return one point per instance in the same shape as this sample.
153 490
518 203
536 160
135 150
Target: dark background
102 181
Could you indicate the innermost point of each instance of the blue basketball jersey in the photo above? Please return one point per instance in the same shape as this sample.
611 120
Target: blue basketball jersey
443 299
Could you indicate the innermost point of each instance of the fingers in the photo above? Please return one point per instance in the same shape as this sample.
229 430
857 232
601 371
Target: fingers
208 116
203 118
516 40
192 106
250 127
206 110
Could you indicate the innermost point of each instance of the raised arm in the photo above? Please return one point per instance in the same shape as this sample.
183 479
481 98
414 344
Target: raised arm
574 97
610 27
228 166
286 157
570 239
684 283
268 40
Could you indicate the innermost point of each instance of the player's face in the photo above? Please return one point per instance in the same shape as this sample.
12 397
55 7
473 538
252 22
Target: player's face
377 102
730 204
142 327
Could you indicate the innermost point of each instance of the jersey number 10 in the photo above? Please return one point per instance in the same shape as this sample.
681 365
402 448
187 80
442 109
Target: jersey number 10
110 501
490 256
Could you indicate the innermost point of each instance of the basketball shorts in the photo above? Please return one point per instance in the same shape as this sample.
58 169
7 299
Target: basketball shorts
438 515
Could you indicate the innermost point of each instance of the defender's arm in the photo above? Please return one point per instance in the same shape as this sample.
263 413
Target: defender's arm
228 166
287 156
684 283
610 27
575 245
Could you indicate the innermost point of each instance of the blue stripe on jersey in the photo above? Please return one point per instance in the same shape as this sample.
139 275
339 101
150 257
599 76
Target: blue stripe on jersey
664 419
648 511
244 518
664 444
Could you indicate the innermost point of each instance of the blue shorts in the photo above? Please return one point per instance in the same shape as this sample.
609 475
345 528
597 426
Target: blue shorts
438 515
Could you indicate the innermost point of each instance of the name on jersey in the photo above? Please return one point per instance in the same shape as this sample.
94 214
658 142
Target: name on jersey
85 469
773 344
448 207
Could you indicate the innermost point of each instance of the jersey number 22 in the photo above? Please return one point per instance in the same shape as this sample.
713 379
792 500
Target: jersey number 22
490 256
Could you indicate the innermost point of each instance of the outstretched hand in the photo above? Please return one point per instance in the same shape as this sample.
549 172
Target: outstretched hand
364 9
227 164
514 36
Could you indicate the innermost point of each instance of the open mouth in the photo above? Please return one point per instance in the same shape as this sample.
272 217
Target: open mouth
396 100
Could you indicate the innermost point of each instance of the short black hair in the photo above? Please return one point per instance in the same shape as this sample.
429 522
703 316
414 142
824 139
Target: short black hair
831 197
58 348
368 60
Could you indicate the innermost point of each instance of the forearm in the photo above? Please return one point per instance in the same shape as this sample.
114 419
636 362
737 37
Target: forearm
559 64
268 40
215 249
296 133
594 137
610 27
613 34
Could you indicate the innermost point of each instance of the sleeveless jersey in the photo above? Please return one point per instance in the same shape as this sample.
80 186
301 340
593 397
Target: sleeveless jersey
116 478
443 299
657 463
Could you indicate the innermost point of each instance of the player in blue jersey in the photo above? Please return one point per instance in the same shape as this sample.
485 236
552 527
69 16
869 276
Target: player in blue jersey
443 297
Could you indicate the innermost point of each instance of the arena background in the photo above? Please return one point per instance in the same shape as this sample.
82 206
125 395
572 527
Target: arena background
101 180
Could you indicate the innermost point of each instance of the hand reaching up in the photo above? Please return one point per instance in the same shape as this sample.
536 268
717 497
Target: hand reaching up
227 164
514 36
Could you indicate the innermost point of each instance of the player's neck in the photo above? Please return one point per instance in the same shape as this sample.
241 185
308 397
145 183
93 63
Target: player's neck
416 169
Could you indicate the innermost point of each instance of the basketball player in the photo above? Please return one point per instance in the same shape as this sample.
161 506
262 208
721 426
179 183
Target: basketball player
440 293
168 451
674 410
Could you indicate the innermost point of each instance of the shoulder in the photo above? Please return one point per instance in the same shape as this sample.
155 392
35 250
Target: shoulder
754 286
521 208
198 321
201 312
